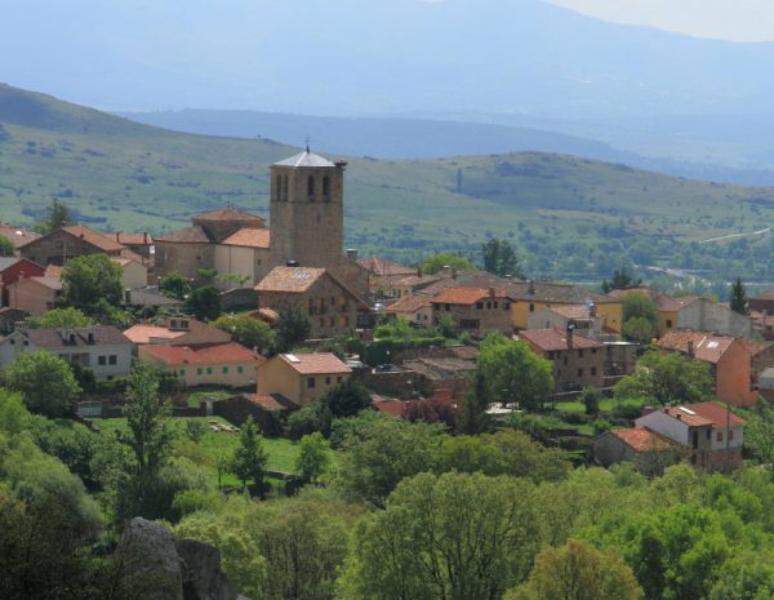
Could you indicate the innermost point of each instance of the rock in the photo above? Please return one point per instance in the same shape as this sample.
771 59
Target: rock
150 562
202 577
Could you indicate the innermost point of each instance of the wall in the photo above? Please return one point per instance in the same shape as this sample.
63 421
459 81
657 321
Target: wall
134 276
219 374
548 319
22 269
666 426
183 258
276 377
251 263
494 315
704 315
733 376
56 248
612 313
91 354
32 296
566 376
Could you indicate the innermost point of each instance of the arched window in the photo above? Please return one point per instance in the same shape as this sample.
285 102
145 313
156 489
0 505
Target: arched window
327 188
310 188
278 188
285 188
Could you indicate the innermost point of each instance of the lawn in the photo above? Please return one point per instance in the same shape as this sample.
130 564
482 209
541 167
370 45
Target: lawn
606 405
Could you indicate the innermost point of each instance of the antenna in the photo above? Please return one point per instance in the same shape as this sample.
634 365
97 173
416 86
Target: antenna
308 141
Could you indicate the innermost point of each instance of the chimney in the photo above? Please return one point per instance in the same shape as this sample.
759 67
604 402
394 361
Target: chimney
691 349
531 288
570 336
352 254
145 237
292 263
454 273
593 310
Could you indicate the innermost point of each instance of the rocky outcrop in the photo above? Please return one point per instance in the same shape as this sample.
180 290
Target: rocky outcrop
156 566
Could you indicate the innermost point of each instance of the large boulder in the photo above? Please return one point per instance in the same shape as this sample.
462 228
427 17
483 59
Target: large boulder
202 576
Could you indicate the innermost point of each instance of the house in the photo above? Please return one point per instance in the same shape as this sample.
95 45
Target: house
442 375
584 317
16 235
331 307
710 434
416 309
101 348
269 411
766 384
301 378
729 359
134 274
705 315
762 357
762 303
149 297
667 307
648 450
408 285
34 295
243 258
578 361
12 269
229 365
139 243
763 324
383 274
474 310
177 331
68 242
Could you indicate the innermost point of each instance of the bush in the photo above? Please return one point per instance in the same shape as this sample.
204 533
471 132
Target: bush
310 419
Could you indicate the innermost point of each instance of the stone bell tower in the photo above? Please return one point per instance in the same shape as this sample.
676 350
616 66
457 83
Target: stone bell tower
307 211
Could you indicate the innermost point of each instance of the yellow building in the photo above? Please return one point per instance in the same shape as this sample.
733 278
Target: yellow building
301 378
667 307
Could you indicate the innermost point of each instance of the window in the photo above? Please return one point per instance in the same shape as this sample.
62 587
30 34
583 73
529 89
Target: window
225 370
327 381
506 306
593 350
730 435
479 305
550 355
326 188
310 382
489 305
580 372
112 359
447 307
669 323
310 188
209 370
531 308
719 436
339 379
182 372
495 304
580 353
240 370
593 371
199 371
565 360
102 361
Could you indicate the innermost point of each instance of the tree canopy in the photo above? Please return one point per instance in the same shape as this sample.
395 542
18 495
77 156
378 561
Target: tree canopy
45 381
248 331
500 258
667 377
60 317
433 264
92 284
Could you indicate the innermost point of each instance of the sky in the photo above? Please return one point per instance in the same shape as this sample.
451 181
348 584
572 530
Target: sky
736 20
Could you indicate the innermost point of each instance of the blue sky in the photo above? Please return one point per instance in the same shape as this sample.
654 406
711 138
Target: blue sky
738 20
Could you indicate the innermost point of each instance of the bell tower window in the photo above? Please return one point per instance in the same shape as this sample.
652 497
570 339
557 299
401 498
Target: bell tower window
310 188
285 188
278 188
326 188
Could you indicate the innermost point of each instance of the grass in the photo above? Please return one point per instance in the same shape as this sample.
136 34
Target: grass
215 393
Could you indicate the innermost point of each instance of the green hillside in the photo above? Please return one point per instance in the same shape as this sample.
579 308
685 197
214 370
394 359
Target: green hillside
571 217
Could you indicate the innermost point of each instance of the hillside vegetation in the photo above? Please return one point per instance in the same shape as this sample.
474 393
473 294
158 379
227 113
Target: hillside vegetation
572 217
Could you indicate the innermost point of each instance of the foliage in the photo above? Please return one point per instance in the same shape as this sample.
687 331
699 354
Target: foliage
622 280
313 458
638 306
759 434
60 317
6 247
435 263
431 410
250 332
45 381
739 302
92 284
472 414
204 303
309 419
249 460
57 216
667 377
451 536
195 430
175 285
577 571
639 329
500 259
590 400
292 328
347 398
513 373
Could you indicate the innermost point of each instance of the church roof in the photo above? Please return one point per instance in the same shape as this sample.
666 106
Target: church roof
229 214
305 159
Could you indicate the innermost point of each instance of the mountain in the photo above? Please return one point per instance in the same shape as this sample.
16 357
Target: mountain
569 216
350 58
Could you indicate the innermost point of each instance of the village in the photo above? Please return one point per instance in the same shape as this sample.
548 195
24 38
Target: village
411 336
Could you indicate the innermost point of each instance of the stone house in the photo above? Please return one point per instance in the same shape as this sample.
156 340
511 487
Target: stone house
246 255
139 243
383 274
763 303
667 307
648 450
301 378
177 331
729 359
101 348
72 241
12 269
705 315
578 361
584 317
474 310
416 309
711 435
227 365
134 274
34 295
331 307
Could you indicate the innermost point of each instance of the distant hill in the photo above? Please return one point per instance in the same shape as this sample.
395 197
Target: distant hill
569 216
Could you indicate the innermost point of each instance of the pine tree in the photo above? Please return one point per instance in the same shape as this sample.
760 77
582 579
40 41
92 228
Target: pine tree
249 459
473 418
739 297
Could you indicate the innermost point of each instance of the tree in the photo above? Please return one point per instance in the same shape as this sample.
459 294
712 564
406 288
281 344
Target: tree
513 373
92 284
759 434
639 306
639 329
292 328
309 419
248 331
6 247
666 378
455 536
313 457
45 381
739 298
577 571
472 415
347 399
622 280
249 460
500 259
204 303
590 401
435 263
57 216
60 317
175 285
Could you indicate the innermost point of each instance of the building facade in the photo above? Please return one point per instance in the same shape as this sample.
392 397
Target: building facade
301 378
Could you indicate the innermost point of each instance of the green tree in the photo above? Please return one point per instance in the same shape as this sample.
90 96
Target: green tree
454 536
60 317
204 303
249 460
739 302
515 374
472 417
248 331
92 284
748 576
175 285
435 263
759 434
347 398
667 377
577 571
195 430
590 400
313 457
639 306
45 381
639 329
309 419
292 328
622 280
57 216
500 258
6 247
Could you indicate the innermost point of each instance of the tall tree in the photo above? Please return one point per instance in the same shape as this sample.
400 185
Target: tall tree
249 461
622 280
347 399
313 457
45 381
739 298
292 328
60 317
175 285
500 258
92 284
248 331
204 303
57 216
433 264
472 417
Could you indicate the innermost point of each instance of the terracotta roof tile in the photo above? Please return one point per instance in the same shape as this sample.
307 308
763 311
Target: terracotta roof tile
315 364
715 412
706 346
189 235
249 237
409 304
272 402
293 280
54 283
230 214
142 334
230 353
572 311
130 239
551 340
59 337
390 406
17 236
642 439
465 296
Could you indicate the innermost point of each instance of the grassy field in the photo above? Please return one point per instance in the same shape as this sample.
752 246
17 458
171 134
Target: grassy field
562 212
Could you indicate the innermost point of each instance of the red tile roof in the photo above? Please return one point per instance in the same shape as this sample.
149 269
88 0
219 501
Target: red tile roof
706 346
250 237
315 364
385 268
642 439
573 311
291 280
17 236
715 412
189 235
550 340
230 214
142 334
391 406
271 402
130 239
219 354
409 304
465 296
94 238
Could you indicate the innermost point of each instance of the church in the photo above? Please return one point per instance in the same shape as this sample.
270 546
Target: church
307 230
